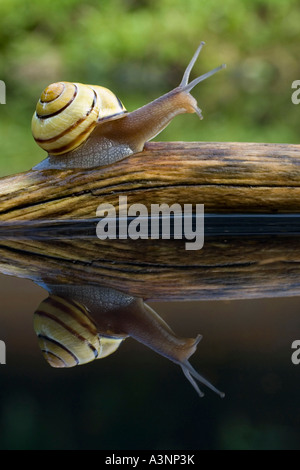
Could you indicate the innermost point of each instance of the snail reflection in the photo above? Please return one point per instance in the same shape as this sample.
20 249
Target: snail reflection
78 324
96 286
81 126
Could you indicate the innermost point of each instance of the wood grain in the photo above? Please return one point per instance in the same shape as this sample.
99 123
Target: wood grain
225 177
228 178
225 268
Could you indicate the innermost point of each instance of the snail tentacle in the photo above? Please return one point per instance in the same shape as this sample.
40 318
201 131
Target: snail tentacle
186 75
191 373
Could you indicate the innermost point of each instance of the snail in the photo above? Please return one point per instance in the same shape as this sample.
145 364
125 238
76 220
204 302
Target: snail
83 126
77 324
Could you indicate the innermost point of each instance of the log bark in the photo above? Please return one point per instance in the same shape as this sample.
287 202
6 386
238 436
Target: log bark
225 177
242 259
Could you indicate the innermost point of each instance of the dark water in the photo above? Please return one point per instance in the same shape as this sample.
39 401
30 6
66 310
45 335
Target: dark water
136 399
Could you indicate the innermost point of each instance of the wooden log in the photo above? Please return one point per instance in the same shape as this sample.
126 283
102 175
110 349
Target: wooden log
225 177
257 260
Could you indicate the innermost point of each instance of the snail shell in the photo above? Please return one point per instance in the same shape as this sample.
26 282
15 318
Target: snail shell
67 113
67 334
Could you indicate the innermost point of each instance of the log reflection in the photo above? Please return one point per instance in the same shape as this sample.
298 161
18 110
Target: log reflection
243 257
97 287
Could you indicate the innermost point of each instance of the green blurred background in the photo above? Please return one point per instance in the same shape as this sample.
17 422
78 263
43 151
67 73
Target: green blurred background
139 49
135 399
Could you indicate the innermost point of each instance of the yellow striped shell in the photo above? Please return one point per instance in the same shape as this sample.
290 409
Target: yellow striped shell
68 336
67 113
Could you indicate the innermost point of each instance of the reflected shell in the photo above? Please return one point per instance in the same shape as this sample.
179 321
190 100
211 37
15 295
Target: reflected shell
67 334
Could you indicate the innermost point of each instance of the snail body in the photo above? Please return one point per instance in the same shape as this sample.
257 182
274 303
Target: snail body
77 324
83 126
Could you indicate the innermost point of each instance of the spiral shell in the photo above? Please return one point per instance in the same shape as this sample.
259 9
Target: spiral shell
67 113
68 336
